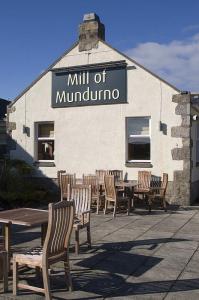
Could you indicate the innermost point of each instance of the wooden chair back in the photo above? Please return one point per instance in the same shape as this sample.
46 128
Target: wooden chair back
164 184
93 181
144 179
155 181
60 225
110 191
65 180
117 173
81 195
100 175
59 177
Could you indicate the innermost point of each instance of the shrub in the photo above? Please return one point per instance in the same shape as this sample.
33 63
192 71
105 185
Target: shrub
16 187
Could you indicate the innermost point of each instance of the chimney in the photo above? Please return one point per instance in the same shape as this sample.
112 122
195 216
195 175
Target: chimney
90 31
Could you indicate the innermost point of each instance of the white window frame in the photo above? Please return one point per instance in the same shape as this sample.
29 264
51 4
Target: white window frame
37 138
138 135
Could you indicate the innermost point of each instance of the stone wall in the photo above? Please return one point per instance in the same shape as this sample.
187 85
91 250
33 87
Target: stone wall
182 179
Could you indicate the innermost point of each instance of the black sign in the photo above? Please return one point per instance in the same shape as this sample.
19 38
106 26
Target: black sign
89 86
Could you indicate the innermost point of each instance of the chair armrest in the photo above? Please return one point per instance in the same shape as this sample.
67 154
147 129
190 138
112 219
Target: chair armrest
155 190
86 212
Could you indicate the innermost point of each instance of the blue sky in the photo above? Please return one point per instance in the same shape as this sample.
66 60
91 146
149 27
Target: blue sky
161 35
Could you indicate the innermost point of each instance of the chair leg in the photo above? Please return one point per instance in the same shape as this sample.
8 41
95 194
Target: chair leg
15 277
129 207
149 203
105 207
97 211
46 282
165 205
76 242
114 209
68 274
88 229
5 274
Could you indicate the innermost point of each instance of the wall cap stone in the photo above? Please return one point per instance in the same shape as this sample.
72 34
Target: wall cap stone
181 98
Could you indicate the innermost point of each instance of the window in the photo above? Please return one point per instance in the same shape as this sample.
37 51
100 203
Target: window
197 144
45 141
138 139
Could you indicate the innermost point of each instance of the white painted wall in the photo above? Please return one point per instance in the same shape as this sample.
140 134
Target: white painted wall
93 137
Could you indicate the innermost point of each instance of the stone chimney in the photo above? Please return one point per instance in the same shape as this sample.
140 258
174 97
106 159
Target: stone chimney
90 31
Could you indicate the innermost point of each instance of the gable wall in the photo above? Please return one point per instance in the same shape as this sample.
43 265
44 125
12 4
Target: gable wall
93 137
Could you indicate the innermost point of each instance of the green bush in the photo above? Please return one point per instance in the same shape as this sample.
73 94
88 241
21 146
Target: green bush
16 187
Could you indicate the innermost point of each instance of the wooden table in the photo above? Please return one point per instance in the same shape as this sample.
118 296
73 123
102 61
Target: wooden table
128 184
22 216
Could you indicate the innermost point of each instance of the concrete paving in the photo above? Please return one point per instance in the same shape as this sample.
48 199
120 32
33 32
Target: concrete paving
142 256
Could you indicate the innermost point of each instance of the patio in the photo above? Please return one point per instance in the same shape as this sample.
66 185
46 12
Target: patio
141 256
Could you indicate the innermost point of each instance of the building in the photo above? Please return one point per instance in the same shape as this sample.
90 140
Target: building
96 108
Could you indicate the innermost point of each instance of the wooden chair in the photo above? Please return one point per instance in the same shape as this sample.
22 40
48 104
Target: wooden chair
159 192
3 265
81 194
55 249
117 173
143 183
65 180
96 198
100 175
112 195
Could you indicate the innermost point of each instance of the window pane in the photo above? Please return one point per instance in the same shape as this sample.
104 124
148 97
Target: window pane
46 150
138 126
139 149
46 130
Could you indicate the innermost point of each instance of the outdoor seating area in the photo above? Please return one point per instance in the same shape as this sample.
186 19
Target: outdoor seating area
88 206
142 256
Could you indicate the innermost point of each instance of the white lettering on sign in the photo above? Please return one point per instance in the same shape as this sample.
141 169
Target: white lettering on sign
100 77
87 95
78 79
60 98
86 87
115 94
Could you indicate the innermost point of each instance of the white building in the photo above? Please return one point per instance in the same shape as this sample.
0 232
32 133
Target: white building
96 108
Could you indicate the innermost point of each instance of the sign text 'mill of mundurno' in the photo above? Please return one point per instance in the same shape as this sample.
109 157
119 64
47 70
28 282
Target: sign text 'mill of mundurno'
89 87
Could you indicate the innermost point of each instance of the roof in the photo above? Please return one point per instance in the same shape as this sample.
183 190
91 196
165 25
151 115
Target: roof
73 46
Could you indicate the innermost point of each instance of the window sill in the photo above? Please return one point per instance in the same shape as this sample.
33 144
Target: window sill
44 164
138 164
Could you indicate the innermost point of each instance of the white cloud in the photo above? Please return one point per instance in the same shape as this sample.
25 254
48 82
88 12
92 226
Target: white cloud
177 62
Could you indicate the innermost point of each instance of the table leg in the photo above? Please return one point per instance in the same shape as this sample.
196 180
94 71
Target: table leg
132 198
129 191
43 232
7 235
